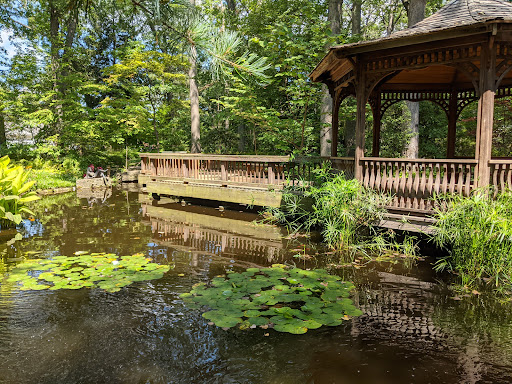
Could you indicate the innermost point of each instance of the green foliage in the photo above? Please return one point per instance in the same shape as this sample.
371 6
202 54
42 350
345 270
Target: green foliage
288 299
345 212
97 270
14 192
51 177
478 232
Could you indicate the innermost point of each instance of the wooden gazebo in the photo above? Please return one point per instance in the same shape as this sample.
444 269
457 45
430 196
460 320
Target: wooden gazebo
462 53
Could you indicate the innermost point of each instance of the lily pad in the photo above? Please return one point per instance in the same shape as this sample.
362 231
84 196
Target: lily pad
105 271
291 299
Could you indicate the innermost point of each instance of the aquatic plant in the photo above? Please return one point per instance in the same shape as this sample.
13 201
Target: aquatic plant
102 270
477 231
288 299
343 210
14 193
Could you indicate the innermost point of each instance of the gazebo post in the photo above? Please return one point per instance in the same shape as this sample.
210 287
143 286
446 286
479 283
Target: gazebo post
452 126
377 115
485 117
361 98
336 101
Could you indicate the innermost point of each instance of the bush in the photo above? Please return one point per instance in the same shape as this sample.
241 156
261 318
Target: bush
14 193
478 231
71 167
343 210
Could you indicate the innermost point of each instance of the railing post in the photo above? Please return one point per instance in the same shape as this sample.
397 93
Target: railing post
223 173
185 167
271 177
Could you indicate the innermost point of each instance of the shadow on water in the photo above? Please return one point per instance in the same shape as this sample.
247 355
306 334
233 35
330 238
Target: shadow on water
412 330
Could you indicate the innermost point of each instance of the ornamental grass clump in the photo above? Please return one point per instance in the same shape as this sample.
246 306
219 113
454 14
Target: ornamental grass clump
477 231
345 212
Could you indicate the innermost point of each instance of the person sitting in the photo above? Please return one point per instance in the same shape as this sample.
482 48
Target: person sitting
91 174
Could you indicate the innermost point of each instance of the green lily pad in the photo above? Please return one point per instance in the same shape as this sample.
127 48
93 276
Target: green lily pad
292 299
105 271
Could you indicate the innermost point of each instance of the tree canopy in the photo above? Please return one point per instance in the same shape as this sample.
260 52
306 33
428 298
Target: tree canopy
92 78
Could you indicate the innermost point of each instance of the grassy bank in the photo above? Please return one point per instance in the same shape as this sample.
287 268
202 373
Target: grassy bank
49 178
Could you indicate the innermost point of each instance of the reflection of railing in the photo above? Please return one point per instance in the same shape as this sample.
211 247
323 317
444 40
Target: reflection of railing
235 169
501 174
187 231
413 182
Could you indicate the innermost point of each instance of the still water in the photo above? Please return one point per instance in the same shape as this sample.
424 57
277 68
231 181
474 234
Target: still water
414 329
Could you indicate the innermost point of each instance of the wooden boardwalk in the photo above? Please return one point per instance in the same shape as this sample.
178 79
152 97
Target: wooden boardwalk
260 180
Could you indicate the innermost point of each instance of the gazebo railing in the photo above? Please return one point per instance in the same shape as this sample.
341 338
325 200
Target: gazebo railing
501 174
413 182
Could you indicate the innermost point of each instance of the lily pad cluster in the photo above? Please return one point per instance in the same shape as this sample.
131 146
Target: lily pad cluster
287 299
102 270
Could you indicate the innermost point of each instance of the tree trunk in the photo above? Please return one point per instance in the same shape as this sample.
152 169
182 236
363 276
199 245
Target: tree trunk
334 17
195 125
70 38
415 13
349 135
3 138
356 17
325 121
55 61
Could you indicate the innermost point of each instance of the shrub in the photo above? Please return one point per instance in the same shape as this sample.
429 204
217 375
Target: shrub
478 231
343 210
72 167
14 192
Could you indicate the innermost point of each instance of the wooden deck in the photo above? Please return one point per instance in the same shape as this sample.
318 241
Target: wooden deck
260 180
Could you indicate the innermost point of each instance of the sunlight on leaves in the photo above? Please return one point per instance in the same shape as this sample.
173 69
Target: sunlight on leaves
288 299
96 270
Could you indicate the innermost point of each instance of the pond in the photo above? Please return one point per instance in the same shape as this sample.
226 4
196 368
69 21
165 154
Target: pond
414 328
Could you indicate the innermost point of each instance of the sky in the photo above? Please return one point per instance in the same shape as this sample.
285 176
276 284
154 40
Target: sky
6 44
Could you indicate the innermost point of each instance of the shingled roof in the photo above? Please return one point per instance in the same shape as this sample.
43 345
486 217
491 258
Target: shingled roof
457 15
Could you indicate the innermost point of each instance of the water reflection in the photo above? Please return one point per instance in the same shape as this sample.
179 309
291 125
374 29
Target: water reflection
216 233
413 331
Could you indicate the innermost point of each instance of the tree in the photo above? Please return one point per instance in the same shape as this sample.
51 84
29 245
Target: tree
334 18
221 47
415 13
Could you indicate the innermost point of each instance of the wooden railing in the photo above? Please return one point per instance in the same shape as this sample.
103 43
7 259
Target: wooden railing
236 169
413 182
344 164
501 174
216 168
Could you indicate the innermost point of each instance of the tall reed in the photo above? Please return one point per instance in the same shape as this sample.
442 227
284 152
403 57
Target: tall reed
343 210
477 231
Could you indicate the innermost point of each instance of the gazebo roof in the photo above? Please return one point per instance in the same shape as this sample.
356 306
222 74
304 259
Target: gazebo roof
456 19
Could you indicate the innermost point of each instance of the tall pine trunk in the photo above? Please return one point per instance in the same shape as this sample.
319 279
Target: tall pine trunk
334 17
195 124
415 13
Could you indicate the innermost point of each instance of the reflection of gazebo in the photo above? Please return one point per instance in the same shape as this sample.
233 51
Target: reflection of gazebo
461 54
